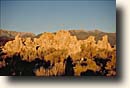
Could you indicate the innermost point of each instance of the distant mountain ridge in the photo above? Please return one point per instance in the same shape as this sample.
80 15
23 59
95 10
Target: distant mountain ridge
6 35
12 34
82 34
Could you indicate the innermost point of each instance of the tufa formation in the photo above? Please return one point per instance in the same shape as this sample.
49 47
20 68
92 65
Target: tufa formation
61 54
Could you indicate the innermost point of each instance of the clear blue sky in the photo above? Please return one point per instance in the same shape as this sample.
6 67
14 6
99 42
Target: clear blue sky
39 16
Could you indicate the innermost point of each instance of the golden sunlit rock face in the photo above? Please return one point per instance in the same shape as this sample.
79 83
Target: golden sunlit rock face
59 54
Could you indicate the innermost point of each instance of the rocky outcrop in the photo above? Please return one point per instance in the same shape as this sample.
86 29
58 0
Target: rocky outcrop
62 40
6 35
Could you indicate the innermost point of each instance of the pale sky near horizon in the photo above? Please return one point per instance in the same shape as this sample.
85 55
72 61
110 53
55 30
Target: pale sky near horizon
49 16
